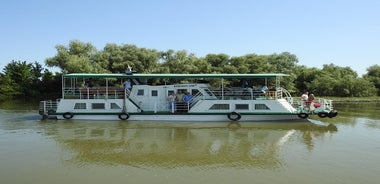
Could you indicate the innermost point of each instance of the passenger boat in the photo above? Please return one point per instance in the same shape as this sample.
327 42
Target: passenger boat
212 97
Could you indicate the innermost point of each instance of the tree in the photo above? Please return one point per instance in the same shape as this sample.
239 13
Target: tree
217 62
178 62
78 57
22 79
333 80
51 85
373 75
304 77
282 63
116 59
8 88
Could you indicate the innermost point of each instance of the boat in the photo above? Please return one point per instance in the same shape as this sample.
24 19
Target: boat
211 97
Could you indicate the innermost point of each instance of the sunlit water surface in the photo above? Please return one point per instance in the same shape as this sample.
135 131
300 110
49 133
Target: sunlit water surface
344 150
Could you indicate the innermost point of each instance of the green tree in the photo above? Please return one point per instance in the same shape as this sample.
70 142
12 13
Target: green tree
116 59
304 77
373 75
178 62
217 62
333 80
78 57
255 63
22 77
8 88
51 85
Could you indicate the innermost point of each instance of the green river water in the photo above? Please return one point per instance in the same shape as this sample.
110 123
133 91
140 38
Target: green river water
345 150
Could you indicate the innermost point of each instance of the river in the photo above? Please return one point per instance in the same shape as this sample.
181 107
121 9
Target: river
341 150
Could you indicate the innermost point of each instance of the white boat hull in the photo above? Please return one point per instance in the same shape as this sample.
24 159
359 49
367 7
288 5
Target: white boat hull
186 117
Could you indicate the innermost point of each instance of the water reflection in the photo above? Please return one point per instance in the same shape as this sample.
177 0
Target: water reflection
356 113
171 145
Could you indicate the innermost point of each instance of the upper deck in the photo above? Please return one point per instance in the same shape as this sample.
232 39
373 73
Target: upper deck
111 85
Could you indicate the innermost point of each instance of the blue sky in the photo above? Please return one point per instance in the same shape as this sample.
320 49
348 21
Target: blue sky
342 32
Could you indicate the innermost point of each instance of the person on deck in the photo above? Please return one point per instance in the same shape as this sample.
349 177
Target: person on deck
88 83
310 102
180 105
187 99
304 98
245 84
171 102
264 88
128 86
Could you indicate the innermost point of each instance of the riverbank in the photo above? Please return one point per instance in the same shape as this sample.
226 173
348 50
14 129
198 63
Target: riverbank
354 99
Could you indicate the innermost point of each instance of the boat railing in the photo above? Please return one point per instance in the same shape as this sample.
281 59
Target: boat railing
248 94
94 93
48 107
196 97
287 95
326 104
319 103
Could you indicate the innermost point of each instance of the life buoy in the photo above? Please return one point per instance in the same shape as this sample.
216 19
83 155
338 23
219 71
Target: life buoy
68 115
303 115
322 114
123 116
234 116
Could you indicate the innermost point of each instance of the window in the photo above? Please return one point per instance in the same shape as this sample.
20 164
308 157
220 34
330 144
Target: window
196 92
140 92
182 90
115 106
80 106
171 92
154 93
209 92
261 107
98 106
220 107
241 106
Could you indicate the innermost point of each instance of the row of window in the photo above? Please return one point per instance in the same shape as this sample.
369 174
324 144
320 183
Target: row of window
214 107
96 106
238 107
141 92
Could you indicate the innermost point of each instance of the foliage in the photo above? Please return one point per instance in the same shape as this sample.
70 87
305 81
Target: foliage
373 75
78 57
23 77
8 88
333 80
30 80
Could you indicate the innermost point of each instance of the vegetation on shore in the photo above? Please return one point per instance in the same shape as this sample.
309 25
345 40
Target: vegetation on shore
354 99
31 81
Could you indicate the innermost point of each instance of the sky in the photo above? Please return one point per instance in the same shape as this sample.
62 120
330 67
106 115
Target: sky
345 33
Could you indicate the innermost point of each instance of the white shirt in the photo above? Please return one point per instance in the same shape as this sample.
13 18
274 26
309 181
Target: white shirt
304 97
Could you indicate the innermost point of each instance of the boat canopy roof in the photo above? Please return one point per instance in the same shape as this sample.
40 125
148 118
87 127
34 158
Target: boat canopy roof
172 76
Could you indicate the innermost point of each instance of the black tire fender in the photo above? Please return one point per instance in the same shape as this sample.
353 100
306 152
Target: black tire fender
123 116
332 113
303 115
234 116
322 114
68 115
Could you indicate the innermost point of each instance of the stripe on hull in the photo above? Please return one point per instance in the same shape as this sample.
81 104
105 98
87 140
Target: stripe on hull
186 118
